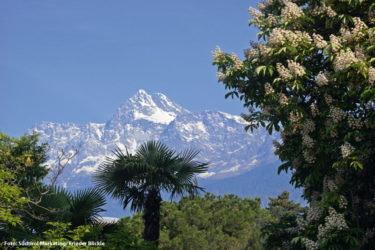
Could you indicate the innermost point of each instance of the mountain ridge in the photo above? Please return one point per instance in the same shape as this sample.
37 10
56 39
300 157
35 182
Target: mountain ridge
220 138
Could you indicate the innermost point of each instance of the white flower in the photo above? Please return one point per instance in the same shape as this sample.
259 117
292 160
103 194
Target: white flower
328 99
336 43
257 16
283 72
220 76
294 37
354 123
251 54
283 99
296 68
359 53
346 35
291 11
358 26
321 79
346 149
334 221
308 127
294 117
343 202
314 109
238 64
308 141
217 53
268 88
337 114
371 75
309 244
344 59
264 50
313 213
309 158
319 41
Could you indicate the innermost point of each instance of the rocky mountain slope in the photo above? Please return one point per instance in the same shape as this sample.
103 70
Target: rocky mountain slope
220 137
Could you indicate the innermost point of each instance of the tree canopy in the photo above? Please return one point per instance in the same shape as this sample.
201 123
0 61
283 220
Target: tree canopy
311 76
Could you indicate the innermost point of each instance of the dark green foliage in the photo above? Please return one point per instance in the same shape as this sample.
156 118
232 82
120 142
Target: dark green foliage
209 222
85 206
284 213
37 203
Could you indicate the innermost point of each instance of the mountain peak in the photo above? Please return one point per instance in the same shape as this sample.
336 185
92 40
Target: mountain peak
156 108
141 98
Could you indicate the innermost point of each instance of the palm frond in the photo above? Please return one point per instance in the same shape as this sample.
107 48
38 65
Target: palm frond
154 166
85 206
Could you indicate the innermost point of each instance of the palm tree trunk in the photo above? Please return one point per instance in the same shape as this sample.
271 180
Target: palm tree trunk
151 216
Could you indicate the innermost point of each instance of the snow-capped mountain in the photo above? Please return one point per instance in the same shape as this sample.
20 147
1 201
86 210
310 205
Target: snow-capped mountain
219 136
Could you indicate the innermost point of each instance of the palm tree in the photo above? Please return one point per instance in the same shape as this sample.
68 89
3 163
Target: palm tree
138 179
78 208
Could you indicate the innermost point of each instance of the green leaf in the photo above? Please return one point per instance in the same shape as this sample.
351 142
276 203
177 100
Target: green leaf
260 68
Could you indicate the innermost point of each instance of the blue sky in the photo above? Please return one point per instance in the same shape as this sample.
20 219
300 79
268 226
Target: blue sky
77 61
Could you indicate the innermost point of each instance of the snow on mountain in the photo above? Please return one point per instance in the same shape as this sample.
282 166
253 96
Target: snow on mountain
220 138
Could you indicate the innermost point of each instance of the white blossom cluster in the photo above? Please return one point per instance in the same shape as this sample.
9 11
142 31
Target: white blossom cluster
329 185
343 203
283 72
329 11
336 43
321 79
313 213
251 54
359 27
308 141
371 75
337 114
268 88
294 117
238 64
308 126
346 149
371 34
301 222
333 133
221 76
346 34
217 53
271 20
371 17
296 68
319 41
324 9
359 53
264 4
334 221
314 109
309 244
344 59
264 49
283 99
354 123
279 35
257 16
328 99
309 158
291 11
